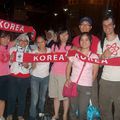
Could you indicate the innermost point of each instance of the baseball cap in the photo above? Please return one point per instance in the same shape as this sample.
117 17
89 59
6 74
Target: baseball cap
88 19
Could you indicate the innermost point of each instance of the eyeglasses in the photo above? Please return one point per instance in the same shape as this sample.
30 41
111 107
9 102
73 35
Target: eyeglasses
23 40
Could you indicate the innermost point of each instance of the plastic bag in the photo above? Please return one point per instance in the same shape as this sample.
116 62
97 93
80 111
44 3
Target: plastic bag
93 113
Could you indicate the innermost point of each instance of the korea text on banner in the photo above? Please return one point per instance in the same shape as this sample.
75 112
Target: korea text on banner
19 28
61 57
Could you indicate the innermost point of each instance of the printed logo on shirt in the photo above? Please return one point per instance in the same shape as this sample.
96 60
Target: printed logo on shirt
113 48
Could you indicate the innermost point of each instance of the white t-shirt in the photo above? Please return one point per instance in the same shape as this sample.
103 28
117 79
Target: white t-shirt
86 76
42 68
111 73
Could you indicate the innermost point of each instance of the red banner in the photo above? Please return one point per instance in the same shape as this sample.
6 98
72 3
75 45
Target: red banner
14 27
61 57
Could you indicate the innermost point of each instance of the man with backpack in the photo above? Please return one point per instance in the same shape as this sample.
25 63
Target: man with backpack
109 96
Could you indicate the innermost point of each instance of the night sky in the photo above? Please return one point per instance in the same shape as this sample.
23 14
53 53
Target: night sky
41 13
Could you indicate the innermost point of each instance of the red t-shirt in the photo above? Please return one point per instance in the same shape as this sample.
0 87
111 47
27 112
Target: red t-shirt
94 44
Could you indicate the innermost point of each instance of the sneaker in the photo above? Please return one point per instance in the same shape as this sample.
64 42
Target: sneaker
20 118
41 114
2 118
9 117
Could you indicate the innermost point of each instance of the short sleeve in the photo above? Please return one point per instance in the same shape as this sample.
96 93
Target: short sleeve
71 59
48 50
99 50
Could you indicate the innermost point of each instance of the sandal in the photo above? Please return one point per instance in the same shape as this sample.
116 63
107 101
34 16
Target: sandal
9 117
55 118
64 117
20 118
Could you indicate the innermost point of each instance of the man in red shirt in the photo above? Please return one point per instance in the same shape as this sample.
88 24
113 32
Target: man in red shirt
86 26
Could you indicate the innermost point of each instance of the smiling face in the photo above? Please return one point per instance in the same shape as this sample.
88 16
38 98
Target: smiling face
4 40
85 42
23 43
108 26
64 37
41 43
85 26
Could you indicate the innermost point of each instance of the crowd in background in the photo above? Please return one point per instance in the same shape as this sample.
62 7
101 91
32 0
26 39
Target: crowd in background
16 77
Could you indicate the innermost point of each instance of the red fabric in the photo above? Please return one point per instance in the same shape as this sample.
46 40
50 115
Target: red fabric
19 28
20 75
61 57
55 57
111 61
94 44
70 91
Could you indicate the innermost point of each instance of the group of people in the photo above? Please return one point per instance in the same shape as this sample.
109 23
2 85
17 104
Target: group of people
16 76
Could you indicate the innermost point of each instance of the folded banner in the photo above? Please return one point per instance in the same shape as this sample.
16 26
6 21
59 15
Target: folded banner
62 57
19 28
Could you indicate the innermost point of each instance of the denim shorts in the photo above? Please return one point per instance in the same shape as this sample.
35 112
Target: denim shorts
4 87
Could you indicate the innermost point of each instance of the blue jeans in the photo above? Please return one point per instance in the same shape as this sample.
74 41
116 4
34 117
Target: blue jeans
17 89
39 88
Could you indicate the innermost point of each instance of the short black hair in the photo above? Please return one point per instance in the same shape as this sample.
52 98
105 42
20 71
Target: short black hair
4 34
106 17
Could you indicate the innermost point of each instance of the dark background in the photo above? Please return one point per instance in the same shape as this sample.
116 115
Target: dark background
40 13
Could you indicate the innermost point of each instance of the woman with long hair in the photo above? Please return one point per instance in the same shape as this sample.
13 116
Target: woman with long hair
57 75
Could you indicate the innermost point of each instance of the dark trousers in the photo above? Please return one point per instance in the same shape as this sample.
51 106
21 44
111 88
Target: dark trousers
109 97
95 94
79 104
17 91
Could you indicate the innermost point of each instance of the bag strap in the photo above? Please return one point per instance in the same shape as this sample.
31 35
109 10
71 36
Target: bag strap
90 102
82 69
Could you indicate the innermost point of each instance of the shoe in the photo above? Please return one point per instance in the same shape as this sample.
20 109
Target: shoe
20 118
2 118
55 118
31 118
41 114
64 117
9 117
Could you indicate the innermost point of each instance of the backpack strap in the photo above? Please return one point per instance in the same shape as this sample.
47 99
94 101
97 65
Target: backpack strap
119 36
